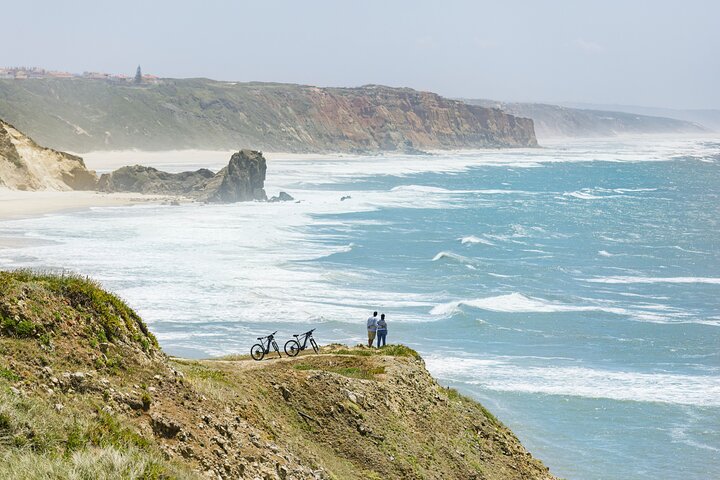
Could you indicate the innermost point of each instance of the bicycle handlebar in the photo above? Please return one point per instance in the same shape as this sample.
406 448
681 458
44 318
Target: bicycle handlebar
268 336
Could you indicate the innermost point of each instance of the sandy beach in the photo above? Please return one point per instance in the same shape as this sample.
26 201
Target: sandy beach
19 204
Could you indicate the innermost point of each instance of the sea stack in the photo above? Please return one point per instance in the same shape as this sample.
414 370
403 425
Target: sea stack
242 180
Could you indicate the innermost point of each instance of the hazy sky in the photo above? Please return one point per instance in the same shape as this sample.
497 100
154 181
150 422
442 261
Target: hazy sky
654 53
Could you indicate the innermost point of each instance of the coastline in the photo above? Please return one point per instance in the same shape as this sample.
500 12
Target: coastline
16 204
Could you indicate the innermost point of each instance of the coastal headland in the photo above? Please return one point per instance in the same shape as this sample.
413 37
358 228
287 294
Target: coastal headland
86 389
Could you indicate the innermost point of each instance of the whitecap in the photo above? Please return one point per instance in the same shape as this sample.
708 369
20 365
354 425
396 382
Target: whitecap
633 190
519 303
587 194
454 257
472 239
630 279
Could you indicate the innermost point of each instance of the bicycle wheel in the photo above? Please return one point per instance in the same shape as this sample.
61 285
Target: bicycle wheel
314 345
257 352
277 349
292 348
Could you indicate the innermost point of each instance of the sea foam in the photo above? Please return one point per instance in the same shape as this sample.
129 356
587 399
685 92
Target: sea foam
517 374
519 303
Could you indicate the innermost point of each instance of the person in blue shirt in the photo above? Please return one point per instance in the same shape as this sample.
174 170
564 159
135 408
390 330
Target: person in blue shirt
381 330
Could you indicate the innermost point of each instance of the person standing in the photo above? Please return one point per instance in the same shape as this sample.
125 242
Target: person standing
372 328
381 330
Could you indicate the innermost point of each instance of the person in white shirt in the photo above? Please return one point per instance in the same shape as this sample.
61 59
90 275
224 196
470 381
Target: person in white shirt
372 328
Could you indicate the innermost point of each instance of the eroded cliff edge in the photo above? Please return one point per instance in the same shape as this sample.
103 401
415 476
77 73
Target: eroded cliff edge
85 389
83 115
25 165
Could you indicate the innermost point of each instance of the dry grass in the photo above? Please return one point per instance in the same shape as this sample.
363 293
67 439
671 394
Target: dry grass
38 442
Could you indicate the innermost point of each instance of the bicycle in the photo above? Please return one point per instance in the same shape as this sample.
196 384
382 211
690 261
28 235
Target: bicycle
259 350
293 347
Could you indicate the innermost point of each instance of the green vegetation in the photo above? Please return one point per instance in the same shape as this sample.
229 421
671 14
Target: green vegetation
355 353
30 307
367 373
8 374
390 350
38 441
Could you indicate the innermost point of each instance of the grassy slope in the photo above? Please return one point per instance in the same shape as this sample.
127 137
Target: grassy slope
85 392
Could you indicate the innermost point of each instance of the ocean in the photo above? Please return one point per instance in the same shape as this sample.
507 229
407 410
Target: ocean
572 289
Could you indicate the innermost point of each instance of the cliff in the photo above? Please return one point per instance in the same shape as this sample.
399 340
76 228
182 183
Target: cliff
242 180
25 165
83 115
554 121
86 392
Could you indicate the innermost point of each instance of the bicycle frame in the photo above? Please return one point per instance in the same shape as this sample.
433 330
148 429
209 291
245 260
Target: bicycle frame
307 336
300 343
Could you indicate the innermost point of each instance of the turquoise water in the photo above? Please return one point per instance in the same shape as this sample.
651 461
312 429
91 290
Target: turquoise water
572 289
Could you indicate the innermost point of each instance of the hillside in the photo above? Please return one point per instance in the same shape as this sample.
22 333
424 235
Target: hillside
86 392
708 118
80 115
553 121
25 165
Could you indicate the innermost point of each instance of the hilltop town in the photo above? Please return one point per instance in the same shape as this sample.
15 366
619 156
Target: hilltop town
29 73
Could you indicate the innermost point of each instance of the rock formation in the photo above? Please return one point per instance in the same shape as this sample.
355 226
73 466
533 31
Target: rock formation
25 165
282 197
242 180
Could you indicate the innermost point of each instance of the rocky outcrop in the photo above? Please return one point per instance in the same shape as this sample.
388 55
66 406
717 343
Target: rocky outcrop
149 180
242 180
175 114
25 165
81 377
281 197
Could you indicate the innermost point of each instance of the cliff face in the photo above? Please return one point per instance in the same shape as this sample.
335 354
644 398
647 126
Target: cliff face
554 121
242 180
85 392
383 118
83 115
24 165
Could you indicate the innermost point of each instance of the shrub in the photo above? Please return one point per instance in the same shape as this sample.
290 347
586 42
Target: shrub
399 351
8 374
146 400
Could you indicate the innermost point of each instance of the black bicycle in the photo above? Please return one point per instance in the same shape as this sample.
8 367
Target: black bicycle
293 347
259 350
